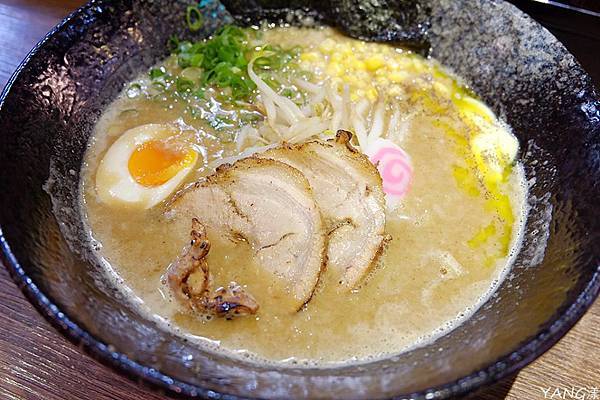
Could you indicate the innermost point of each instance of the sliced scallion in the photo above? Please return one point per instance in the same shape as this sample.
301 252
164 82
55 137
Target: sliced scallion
194 18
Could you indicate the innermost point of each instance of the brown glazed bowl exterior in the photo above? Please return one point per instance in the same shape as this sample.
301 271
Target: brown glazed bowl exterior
50 105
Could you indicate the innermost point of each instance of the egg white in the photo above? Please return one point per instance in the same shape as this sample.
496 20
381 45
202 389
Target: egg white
115 185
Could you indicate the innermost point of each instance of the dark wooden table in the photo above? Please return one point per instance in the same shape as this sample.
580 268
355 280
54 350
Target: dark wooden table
36 362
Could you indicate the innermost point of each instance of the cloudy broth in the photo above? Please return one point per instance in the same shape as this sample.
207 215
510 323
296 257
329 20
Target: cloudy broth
451 238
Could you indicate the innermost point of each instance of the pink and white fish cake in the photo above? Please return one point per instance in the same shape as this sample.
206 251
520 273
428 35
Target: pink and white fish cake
395 168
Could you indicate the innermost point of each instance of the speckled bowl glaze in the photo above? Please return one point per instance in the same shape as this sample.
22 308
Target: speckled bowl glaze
49 108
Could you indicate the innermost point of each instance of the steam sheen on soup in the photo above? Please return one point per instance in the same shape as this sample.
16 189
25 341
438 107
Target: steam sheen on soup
452 211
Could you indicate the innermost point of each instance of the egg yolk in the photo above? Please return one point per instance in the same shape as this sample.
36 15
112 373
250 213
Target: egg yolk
156 162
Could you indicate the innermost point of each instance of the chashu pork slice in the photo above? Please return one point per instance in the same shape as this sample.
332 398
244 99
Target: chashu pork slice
269 205
349 191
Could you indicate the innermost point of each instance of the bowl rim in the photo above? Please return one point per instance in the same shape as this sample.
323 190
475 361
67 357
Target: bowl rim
528 351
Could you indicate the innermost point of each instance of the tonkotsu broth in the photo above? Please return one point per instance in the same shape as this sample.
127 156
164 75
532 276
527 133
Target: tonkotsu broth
439 266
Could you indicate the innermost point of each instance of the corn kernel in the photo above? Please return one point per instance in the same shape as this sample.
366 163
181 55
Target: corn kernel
402 62
364 75
334 69
309 56
346 50
375 62
393 66
327 45
382 80
337 56
398 76
396 91
351 79
358 64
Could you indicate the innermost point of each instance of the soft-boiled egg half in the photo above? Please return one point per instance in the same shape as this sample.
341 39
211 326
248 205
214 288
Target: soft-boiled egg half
144 166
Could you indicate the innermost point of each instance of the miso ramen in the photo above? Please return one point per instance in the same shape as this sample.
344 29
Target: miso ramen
294 195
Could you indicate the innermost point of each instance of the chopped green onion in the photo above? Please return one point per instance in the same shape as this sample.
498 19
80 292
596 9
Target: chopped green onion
249 117
222 61
184 85
194 18
287 92
200 93
156 73
173 43
159 85
192 73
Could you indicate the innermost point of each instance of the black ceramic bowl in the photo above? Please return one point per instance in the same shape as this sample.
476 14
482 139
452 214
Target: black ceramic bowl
528 78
